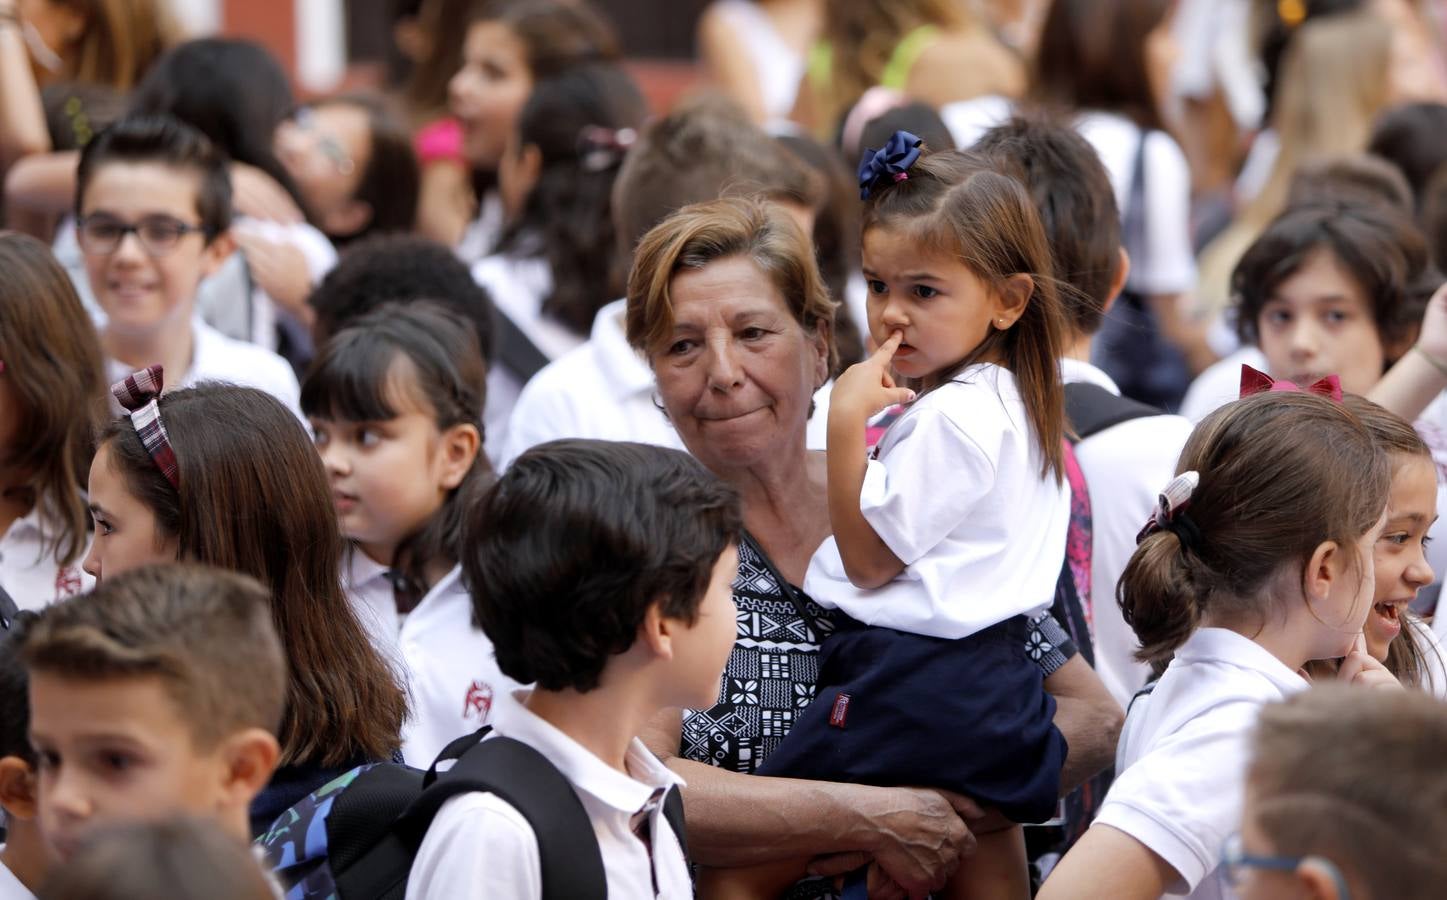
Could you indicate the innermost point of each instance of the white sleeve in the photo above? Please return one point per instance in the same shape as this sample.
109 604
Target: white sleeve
1183 798
1169 266
1435 662
478 847
920 491
542 413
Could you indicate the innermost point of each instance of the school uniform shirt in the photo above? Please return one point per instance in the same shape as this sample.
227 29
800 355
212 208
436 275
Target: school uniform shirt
448 663
10 886
1126 466
480 847
956 493
1435 677
1220 383
605 390
216 357
30 574
1184 751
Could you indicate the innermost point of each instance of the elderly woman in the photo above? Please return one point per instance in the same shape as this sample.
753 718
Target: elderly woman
727 305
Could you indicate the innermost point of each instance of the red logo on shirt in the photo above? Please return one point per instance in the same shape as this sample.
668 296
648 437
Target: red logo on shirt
67 582
478 702
840 711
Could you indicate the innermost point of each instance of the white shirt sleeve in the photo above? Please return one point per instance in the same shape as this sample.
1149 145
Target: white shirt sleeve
1169 266
925 485
1183 799
478 847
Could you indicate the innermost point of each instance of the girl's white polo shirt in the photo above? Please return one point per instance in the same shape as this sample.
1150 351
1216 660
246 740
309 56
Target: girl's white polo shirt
1185 749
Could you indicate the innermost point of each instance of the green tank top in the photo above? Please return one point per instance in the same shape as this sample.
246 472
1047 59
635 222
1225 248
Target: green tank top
896 71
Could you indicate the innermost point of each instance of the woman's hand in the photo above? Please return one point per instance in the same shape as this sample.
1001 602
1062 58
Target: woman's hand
918 841
867 387
1360 668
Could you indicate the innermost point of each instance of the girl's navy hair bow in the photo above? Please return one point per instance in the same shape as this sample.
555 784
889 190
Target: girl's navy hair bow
889 163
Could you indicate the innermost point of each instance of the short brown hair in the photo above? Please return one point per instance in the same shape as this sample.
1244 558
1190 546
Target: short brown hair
703 233
1361 178
704 148
205 633
254 498
1344 774
1280 473
53 363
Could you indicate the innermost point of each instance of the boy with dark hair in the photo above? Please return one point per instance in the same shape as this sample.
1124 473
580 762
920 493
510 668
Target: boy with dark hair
157 694
153 219
25 860
1126 451
602 572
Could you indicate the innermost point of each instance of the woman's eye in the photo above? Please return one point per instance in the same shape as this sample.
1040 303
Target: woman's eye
1277 316
678 348
1337 316
102 526
117 762
369 437
752 334
49 761
1397 539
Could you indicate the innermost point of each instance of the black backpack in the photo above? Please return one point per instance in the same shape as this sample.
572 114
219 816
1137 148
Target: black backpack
356 837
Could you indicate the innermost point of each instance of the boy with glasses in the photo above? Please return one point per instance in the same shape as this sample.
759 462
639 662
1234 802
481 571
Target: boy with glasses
153 206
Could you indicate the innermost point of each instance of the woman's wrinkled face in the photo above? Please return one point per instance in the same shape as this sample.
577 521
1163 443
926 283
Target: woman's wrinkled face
737 372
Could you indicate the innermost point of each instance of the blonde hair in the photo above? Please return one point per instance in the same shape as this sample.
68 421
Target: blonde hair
1355 776
704 233
121 40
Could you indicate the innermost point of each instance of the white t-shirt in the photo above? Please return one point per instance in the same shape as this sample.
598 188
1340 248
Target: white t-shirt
1126 466
604 390
1220 383
480 848
1184 752
518 288
451 671
778 67
956 493
216 357
33 578
10 886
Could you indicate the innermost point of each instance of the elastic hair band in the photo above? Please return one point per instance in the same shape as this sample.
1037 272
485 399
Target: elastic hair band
1170 513
139 394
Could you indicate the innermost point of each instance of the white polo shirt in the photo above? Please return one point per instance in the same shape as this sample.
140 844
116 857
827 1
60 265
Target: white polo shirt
10 886
604 390
451 671
1126 466
479 847
1220 383
216 357
31 576
956 493
1184 751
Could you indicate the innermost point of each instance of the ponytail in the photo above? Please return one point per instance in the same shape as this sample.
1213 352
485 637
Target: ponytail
1156 596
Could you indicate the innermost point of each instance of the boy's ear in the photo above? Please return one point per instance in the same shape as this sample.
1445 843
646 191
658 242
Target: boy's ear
1014 296
217 252
17 788
460 446
1318 880
348 219
249 757
656 632
1117 283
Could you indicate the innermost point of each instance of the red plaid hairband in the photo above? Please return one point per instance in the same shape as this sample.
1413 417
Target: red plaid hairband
139 395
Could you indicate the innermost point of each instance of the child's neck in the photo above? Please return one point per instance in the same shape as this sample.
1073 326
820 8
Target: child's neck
172 345
604 720
25 853
1079 348
1284 637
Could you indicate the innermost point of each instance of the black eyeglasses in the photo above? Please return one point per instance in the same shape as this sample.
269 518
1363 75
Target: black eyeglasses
100 234
1234 859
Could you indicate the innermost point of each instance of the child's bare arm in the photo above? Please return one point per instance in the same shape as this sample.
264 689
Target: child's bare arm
863 390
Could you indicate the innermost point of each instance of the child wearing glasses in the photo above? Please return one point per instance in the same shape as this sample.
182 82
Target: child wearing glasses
1345 799
153 212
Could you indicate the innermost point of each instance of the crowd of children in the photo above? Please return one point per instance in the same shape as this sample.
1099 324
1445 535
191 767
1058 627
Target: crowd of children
497 484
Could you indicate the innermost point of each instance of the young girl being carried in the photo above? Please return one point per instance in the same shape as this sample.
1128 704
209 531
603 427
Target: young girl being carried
1259 560
394 402
953 535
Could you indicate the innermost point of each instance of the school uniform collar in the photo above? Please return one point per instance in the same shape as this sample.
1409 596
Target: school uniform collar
1221 645
1075 371
364 572
629 794
623 368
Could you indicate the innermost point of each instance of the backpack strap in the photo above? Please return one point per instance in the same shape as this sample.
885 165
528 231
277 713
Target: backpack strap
1092 409
673 813
515 350
9 610
571 863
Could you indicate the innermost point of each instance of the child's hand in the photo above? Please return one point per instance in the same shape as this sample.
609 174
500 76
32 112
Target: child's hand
1360 667
867 387
1432 339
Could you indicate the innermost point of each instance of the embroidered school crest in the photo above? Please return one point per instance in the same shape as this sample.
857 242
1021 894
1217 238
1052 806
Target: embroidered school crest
478 702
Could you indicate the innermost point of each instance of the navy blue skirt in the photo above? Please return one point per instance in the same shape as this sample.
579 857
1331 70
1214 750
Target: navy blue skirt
899 709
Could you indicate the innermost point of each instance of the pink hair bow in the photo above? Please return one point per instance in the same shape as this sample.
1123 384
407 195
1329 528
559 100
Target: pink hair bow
1257 382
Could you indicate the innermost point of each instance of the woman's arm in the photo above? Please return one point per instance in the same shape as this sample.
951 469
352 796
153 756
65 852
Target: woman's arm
1088 716
22 117
1108 864
43 183
917 836
863 390
727 63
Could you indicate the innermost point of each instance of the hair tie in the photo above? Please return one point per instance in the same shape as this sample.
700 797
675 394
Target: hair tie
889 163
1170 512
602 148
139 394
1291 12
1254 381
